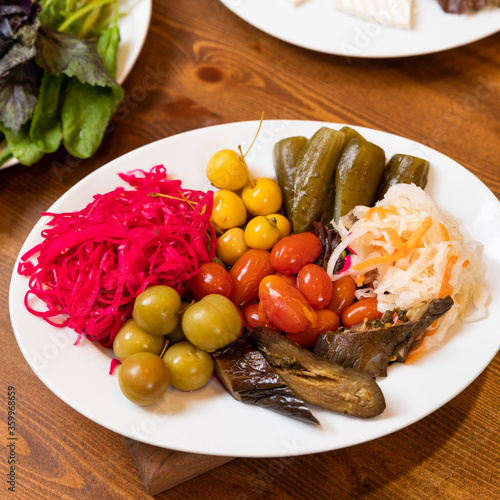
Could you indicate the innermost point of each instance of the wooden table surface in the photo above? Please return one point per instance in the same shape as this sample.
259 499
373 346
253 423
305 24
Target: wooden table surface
210 67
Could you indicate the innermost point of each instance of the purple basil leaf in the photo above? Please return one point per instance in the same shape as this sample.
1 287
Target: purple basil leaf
8 7
17 30
10 10
20 12
5 36
330 240
27 33
18 96
64 53
18 54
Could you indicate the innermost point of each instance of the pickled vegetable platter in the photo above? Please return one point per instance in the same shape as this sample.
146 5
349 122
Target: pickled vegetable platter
210 421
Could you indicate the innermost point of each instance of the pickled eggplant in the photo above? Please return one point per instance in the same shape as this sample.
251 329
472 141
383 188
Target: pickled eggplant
314 172
403 169
317 380
249 378
357 176
285 154
423 317
372 349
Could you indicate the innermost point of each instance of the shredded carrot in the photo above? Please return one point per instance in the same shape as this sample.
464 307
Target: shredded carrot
369 213
419 233
381 212
444 232
395 240
445 288
359 280
414 355
384 259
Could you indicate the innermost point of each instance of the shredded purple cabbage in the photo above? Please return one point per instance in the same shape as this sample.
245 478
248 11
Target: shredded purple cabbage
94 262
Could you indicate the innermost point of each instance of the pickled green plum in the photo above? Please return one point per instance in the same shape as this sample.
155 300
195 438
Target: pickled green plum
131 339
177 335
212 323
190 368
143 378
156 310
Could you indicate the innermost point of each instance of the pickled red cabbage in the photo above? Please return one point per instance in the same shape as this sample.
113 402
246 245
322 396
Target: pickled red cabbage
92 263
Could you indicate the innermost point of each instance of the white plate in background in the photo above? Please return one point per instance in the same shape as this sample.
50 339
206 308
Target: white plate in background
318 26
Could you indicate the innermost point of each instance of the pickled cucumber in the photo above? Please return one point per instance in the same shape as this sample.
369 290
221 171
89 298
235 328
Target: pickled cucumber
358 174
329 204
285 154
403 169
314 171
350 133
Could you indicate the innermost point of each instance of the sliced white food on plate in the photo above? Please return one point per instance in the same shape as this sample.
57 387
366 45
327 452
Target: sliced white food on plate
393 13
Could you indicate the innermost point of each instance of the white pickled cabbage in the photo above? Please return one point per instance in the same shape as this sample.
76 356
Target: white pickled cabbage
405 251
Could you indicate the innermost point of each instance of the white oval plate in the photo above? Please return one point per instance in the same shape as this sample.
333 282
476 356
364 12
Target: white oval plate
134 26
209 421
318 26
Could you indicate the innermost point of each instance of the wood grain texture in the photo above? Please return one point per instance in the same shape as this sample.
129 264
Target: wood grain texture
201 65
162 469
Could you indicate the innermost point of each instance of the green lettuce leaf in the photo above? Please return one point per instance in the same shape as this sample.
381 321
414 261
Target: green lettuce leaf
86 111
45 130
21 147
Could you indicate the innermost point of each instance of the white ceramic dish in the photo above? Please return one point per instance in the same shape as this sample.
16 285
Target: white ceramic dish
209 421
318 26
134 26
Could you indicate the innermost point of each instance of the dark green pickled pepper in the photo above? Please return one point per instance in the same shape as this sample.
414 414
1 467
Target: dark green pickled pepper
285 154
358 174
313 175
403 169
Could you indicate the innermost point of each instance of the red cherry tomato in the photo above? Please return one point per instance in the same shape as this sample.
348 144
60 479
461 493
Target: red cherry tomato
247 273
284 305
343 291
293 252
254 316
211 278
357 312
289 278
315 285
326 321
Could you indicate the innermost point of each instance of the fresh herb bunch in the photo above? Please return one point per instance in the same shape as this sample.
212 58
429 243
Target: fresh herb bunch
57 76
